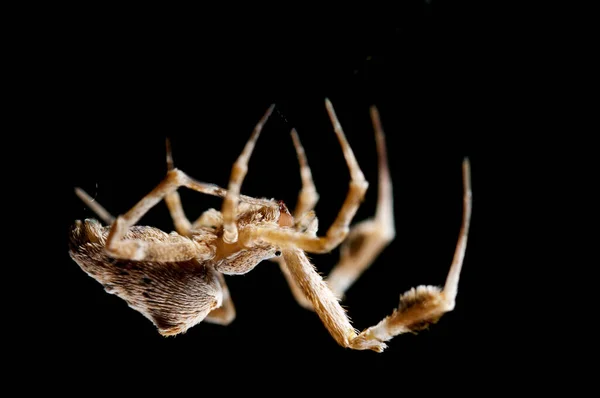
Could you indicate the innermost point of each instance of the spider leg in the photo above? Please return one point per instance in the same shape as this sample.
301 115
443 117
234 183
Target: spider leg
180 249
173 201
137 249
418 307
451 286
95 206
308 196
182 224
118 247
304 217
426 304
238 172
225 314
338 230
367 239
296 290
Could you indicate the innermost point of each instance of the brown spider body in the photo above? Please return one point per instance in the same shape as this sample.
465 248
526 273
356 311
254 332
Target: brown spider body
174 295
177 279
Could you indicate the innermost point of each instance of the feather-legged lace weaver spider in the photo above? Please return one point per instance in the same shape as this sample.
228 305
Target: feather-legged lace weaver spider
176 280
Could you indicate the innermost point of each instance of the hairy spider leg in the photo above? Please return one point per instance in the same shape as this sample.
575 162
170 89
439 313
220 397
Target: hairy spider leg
337 232
238 172
419 307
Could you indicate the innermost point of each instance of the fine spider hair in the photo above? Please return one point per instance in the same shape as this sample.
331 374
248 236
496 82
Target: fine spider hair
176 279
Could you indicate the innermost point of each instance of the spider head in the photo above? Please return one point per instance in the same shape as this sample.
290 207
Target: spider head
285 218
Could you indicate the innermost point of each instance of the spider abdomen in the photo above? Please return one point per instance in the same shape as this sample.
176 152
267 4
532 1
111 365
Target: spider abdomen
174 296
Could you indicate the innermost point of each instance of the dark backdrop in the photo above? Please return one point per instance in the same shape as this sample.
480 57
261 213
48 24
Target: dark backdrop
111 97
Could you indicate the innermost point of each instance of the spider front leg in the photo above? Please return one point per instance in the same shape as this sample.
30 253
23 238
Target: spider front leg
337 232
418 307
426 304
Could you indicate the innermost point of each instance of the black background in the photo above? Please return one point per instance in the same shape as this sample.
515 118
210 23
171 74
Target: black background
111 91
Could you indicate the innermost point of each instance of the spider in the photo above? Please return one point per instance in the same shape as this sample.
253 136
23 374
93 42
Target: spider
176 279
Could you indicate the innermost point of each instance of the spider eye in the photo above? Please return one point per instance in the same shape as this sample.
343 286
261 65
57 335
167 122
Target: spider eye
278 253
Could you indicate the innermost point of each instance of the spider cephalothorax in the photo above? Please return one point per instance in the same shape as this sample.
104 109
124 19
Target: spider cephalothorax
176 279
